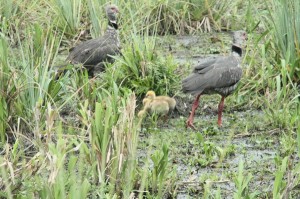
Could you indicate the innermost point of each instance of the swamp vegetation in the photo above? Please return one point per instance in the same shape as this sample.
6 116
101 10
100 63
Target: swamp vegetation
80 137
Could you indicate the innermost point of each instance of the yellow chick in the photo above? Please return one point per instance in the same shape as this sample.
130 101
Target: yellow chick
154 106
171 101
158 107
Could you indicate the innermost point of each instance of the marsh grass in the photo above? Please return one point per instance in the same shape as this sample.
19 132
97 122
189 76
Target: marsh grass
242 181
286 31
159 171
4 77
9 8
96 13
141 68
168 16
69 14
90 150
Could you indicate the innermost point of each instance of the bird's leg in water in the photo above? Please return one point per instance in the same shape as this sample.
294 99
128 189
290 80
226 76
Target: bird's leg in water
221 106
189 122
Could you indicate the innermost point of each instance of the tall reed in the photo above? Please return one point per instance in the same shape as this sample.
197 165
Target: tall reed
285 20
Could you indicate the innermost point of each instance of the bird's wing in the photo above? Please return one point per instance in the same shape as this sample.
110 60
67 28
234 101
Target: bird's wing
198 80
227 77
205 66
93 51
227 72
218 73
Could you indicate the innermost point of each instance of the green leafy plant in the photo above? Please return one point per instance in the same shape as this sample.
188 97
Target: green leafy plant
242 184
26 80
279 183
9 8
206 151
141 69
168 16
114 140
69 14
286 34
160 161
282 114
34 82
4 87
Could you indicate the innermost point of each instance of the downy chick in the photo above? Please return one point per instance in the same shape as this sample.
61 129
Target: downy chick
157 107
171 101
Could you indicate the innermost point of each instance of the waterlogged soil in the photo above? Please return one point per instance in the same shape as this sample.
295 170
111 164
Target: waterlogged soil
210 156
206 162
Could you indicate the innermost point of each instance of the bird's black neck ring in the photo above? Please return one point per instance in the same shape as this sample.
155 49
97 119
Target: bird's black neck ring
113 24
237 50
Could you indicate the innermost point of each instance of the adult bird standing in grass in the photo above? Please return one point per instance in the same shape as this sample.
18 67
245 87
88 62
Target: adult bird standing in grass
93 53
218 75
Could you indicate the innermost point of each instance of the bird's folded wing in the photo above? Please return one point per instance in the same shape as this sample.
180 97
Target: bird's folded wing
93 54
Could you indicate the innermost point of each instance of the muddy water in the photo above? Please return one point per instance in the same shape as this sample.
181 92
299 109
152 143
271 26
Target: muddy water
245 135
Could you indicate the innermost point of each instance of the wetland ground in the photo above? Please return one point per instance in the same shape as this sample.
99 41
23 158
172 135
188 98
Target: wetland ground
74 136
208 160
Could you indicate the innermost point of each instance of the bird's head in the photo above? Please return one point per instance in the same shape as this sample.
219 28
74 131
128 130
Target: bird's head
239 38
111 12
150 94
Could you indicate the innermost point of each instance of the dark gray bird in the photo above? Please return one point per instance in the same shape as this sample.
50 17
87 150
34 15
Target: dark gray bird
93 53
218 75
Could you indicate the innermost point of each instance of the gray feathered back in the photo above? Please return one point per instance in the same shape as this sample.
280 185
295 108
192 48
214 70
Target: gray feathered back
219 75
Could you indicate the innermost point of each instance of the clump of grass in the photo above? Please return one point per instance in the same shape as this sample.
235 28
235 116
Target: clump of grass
167 17
280 114
96 17
113 136
33 79
71 167
270 82
69 14
284 22
4 87
242 184
140 68
160 162
27 81
9 8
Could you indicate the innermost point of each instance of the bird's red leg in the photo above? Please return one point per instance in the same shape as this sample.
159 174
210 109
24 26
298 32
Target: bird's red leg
221 106
189 122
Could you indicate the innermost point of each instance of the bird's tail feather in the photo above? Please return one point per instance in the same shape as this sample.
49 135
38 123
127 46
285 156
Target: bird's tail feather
192 85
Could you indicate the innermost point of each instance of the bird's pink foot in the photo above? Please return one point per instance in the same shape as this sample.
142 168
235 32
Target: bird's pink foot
190 124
